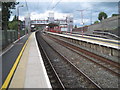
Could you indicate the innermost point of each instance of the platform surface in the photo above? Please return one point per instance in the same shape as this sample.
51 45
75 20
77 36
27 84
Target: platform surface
31 72
9 56
94 40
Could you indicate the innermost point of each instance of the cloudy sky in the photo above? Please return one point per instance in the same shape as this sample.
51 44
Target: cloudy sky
39 9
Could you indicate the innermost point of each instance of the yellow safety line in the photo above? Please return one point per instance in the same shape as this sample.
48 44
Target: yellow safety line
7 81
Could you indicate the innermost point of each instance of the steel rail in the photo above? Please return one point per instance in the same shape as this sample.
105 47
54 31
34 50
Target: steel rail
76 51
55 73
77 69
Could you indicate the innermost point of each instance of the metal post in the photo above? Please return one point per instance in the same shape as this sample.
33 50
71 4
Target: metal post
82 19
119 7
18 22
91 17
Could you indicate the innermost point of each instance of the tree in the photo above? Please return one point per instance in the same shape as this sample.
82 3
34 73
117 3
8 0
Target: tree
15 18
75 26
13 25
6 12
115 15
102 15
96 22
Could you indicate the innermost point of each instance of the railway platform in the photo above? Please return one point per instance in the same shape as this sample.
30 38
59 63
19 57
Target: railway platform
104 47
28 70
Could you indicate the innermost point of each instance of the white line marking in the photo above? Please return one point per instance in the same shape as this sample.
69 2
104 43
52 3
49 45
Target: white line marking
7 50
18 39
11 46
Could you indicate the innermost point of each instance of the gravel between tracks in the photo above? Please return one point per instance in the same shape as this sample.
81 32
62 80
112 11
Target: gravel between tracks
99 75
69 77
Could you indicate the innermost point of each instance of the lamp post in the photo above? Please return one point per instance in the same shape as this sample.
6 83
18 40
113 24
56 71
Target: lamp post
82 20
18 22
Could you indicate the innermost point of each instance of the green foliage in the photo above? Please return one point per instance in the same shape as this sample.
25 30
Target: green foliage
15 18
75 26
13 25
115 15
6 12
96 22
102 15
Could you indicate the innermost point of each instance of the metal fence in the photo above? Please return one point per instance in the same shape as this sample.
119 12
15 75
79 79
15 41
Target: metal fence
12 35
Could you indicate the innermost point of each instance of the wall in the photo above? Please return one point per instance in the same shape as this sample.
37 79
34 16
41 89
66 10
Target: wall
107 24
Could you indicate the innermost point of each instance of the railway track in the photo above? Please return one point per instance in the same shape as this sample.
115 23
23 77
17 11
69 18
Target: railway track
68 67
108 65
53 76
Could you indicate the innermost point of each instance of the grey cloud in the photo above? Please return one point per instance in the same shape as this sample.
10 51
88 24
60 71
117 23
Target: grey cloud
71 7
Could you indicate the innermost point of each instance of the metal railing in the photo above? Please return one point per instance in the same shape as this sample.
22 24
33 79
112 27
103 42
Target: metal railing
12 35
